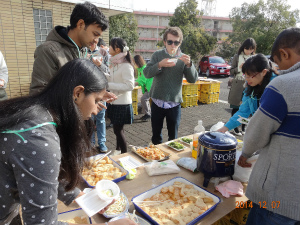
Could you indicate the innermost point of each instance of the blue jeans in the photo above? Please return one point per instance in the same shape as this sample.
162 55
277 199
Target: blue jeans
261 216
101 130
173 116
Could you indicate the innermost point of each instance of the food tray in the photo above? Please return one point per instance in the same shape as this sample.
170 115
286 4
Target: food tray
180 139
125 210
141 221
114 163
157 189
133 148
68 215
178 150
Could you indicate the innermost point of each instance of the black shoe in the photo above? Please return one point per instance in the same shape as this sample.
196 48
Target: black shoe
145 118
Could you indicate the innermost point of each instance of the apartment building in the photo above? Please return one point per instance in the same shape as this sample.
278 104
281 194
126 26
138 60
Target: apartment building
151 24
25 24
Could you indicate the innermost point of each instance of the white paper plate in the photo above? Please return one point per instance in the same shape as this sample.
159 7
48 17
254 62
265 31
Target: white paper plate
178 150
130 162
91 203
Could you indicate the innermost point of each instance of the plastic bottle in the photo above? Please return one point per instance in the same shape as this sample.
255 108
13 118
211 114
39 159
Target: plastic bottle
198 130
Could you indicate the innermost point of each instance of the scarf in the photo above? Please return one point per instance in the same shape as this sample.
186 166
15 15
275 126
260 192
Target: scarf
117 59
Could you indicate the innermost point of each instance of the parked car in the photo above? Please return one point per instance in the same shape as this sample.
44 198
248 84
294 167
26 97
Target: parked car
213 65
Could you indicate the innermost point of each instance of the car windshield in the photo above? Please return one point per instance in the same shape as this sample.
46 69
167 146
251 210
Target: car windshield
216 60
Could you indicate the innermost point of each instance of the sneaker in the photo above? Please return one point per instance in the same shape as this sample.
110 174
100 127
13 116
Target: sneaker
236 133
145 118
243 132
100 150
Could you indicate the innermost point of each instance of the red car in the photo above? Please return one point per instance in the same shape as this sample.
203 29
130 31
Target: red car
214 65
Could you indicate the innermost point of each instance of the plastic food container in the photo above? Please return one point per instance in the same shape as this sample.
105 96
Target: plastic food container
69 215
117 204
157 189
107 190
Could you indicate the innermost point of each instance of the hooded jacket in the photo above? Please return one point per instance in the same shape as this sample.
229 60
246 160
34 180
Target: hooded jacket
50 56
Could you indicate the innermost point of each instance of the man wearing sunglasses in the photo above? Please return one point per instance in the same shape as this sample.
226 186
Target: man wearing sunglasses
168 67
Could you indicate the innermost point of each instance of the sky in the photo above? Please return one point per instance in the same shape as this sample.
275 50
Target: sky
223 7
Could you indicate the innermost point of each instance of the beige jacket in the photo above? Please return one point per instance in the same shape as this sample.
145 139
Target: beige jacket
121 82
49 57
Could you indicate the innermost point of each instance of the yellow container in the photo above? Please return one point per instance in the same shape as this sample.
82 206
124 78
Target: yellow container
189 89
206 98
135 108
134 94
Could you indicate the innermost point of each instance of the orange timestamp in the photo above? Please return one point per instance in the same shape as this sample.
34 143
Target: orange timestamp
249 204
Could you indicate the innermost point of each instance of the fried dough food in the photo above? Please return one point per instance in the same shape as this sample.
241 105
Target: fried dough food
77 220
181 203
151 152
96 170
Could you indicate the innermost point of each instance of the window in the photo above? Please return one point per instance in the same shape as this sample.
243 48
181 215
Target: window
42 24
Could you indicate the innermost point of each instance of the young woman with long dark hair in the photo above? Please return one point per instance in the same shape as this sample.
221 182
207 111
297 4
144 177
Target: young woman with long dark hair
121 83
43 141
246 50
258 73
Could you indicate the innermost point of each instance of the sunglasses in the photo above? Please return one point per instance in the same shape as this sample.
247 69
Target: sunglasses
176 43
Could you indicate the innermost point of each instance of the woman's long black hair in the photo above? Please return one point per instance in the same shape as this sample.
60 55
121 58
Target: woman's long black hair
247 44
57 98
256 64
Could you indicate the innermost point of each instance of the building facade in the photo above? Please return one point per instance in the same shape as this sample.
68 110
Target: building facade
151 24
25 24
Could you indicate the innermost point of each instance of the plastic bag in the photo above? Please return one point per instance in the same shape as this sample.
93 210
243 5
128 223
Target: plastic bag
242 174
188 163
160 168
217 126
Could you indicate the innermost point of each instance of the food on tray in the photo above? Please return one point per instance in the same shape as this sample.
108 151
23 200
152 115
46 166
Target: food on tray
187 140
177 204
151 152
77 220
97 170
176 145
118 207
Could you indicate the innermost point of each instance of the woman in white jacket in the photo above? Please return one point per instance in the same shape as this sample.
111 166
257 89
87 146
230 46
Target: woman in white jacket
121 83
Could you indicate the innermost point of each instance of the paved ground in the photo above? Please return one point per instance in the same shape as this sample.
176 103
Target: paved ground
139 133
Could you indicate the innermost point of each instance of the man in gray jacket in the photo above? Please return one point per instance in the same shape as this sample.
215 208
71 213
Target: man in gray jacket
64 44
274 130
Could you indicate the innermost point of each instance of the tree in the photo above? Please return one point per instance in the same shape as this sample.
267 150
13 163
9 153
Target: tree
262 21
227 49
196 41
124 26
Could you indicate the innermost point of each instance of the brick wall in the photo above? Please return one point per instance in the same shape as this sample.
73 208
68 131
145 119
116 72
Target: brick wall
17 37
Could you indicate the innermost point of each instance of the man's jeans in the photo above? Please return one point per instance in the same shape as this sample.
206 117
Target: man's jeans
261 216
173 116
101 130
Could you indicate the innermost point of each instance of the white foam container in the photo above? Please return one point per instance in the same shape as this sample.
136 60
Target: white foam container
157 189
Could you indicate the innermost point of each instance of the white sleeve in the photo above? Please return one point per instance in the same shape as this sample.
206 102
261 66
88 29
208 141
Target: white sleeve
3 70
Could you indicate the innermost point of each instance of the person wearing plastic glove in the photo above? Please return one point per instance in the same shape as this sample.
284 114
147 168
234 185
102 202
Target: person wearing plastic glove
258 73
44 139
274 183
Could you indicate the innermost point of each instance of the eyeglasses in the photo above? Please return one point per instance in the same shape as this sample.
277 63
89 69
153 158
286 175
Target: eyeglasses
170 42
254 75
